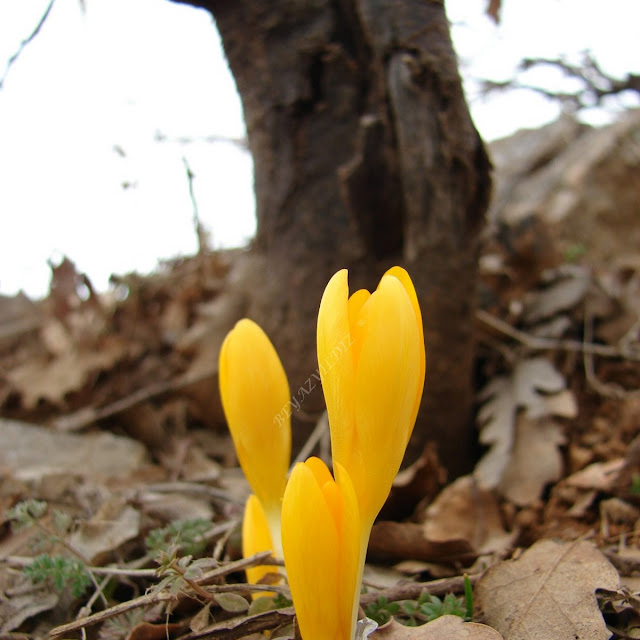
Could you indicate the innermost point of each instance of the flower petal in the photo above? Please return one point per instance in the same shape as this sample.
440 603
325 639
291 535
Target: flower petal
407 283
335 360
387 379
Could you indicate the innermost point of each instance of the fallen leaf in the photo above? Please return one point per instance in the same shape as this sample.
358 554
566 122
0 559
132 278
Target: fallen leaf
549 592
600 476
114 523
158 631
504 397
562 404
396 540
242 626
14 611
562 295
52 380
442 628
201 619
535 460
463 510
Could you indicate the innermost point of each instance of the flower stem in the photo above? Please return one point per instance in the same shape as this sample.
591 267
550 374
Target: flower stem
364 543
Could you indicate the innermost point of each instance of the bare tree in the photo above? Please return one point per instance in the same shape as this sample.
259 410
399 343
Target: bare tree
365 155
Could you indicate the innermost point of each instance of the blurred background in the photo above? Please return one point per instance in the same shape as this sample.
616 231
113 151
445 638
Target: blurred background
111 104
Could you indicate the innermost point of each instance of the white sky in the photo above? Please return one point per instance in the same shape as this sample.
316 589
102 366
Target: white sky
125 70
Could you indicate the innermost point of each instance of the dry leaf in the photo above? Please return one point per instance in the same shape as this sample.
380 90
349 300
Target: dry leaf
14 611
549 592
562 295
562 404
158 631
443 628
114 524
535 460
505 396
201 619
52 380
601 476
464 510
396 540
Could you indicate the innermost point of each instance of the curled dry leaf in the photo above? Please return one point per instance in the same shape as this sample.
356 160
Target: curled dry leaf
394 540
549 592
443 628
463 510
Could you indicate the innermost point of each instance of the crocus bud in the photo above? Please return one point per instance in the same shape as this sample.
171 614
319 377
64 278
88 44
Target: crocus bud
254 391
321 541
372 365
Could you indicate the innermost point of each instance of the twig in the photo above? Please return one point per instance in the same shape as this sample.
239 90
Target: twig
195 489
264 557
201 233
241 143
222 541
606 389
536 342
20 562
322 426
244 627
25 42
413 590
123 607
87 416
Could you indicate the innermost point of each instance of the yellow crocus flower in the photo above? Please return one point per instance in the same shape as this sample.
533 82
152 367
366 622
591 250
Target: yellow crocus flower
372 366
256 538
321 541
254 391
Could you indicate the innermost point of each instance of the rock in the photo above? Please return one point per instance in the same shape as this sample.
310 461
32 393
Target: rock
32 453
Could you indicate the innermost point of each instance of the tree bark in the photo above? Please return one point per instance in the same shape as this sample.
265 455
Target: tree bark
364 156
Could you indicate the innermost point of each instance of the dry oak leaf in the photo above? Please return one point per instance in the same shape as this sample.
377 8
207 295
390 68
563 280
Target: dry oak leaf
443 628
549 592
504 397
535 460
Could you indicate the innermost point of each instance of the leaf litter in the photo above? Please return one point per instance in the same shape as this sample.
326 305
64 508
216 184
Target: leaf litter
546 525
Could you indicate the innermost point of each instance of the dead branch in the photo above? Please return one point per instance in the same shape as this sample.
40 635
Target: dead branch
596 83
264 557
538 343
25 42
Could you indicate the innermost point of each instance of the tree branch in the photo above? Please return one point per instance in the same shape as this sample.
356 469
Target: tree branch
25 42
597 84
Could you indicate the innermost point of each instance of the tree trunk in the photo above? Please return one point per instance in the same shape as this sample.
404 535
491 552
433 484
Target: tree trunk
365 156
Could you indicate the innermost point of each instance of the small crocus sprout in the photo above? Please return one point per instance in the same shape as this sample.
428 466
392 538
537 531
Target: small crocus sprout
321 541
256 538
255 396
372 365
